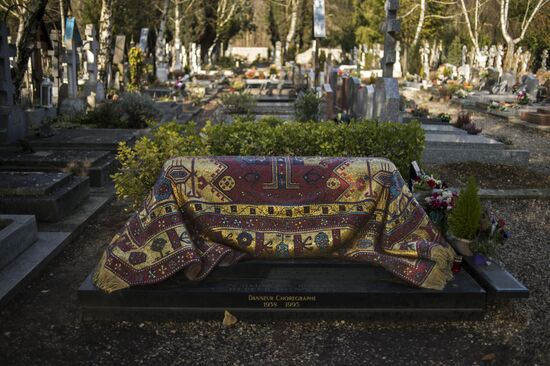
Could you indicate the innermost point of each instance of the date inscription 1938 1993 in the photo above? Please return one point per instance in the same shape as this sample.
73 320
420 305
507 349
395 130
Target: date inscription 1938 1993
281 301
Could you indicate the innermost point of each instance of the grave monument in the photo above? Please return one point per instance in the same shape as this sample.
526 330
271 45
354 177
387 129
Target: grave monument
387 97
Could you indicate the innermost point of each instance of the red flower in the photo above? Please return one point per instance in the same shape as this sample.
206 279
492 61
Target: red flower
432 183
501 223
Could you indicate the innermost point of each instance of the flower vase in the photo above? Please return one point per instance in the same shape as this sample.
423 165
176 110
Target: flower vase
463 246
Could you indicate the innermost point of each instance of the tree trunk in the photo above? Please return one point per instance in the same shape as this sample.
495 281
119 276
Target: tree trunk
420 23
160 44
62 17
105 39
293 21
509 58
27 41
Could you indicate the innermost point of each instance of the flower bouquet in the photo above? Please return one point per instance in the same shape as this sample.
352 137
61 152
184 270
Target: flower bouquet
522 97
438 205
427 183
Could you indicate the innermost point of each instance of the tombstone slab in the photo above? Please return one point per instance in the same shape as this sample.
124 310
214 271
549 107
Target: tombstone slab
98 165
48 196
387 100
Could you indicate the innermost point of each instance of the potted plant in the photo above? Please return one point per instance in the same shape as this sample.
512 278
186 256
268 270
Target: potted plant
464 220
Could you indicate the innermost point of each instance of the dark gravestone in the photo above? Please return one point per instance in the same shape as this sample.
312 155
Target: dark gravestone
48 196
98 165
288 289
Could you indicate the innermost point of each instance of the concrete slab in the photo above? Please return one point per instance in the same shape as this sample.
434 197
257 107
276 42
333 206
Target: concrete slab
31 183
445 129
17 233
22 269
455 141
442 155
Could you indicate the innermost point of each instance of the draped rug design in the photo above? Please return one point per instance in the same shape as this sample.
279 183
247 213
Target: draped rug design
209 211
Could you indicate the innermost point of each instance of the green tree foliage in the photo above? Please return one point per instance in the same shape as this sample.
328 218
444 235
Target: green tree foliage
367 18
465 218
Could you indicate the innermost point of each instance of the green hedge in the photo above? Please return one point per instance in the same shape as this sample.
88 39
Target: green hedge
401 143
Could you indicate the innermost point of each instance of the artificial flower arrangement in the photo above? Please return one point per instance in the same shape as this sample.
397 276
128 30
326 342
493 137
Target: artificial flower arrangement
522 97
438 206
499 106
250 73
493 231
427 182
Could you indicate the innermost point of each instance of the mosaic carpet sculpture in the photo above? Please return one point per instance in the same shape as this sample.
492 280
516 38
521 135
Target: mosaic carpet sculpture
209 211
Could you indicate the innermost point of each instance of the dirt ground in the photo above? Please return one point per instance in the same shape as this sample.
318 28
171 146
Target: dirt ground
42 326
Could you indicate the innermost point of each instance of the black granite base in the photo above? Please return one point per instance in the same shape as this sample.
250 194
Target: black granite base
301 289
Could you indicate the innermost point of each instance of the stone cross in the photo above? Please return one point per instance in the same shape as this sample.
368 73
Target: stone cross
544 59
91 47
387 98
391 28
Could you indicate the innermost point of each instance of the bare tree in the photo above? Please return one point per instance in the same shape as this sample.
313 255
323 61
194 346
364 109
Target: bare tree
17 9
105 39
35 10
472 24
226 12
531 9
295 5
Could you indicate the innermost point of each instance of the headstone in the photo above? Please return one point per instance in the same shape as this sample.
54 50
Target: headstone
369 109
464 55
509 78
491 81
464 71
531 84
353 97
278 55
328 102
91 48
397 70
144 40
55 64
387 99
72 41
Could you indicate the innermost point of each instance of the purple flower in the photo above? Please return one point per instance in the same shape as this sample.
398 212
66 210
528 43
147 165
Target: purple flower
479 259
506 234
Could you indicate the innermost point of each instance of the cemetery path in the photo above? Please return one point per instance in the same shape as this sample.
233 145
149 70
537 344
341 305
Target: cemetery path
42 326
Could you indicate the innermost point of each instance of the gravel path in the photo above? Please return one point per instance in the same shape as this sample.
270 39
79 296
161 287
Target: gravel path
42 326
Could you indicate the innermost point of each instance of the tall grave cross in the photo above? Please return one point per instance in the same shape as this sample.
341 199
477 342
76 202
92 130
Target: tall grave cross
391 27
387 99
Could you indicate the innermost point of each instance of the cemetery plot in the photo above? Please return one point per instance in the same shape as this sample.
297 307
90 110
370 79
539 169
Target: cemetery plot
85 139
287 289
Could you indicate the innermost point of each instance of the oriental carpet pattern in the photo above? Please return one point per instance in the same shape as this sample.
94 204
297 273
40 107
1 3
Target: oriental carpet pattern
209 211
